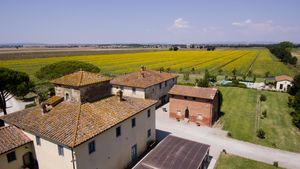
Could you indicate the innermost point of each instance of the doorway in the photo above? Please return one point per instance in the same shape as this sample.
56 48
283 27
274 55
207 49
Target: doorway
134 153
28 160
187 113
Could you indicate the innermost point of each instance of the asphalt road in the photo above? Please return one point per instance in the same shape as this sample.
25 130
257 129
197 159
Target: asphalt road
218 140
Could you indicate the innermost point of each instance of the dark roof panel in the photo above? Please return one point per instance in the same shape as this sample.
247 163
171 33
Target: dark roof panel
175 153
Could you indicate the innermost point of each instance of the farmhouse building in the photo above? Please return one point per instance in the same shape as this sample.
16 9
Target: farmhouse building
283 82
83 126
16 149
146 84
199 105
82 86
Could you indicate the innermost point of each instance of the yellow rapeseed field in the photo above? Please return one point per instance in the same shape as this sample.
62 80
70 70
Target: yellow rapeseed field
259 61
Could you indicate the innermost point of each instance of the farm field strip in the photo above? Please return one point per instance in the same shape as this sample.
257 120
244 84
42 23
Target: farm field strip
241 65
211 59
216 64
241 59
229 62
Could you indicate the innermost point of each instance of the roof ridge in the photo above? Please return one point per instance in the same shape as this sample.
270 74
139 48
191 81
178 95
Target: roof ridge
76 126
81 76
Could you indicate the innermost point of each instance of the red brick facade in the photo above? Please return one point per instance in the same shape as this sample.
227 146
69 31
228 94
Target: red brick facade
206 110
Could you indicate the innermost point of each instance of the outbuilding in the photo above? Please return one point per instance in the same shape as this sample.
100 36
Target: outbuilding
196 104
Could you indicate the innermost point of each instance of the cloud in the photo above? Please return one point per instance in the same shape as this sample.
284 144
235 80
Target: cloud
179 23
262 27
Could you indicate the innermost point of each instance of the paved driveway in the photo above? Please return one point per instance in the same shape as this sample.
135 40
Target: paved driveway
218 140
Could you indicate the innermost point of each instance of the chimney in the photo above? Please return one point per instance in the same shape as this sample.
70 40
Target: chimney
120 95
46 107
143 68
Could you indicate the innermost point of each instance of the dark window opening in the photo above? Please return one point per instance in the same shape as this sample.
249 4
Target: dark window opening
118 131
38 140
149 113
160 86
60 150
11 156
92 147
185 97
149 133
166 83
133 90
133 122
194 98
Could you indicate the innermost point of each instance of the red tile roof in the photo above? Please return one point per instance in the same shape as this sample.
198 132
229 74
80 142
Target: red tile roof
284 78
142 79
80 78
198 92
71 123
11 138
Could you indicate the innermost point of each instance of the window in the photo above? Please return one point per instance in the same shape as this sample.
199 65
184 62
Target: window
160 86
118 131
11 156
121 87
281 86
149 133
133 122
149 113
60 150
185 97
194 98
67 96
92 147
166 83
133 90
38 140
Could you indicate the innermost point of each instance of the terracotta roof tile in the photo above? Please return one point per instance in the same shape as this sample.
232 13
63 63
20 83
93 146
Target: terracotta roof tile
198 92
80 78
283 78
142 79
11 138
71 123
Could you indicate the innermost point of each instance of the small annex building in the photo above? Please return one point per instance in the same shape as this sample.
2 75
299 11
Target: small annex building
16 149
283 82
176 153
196 104
146 84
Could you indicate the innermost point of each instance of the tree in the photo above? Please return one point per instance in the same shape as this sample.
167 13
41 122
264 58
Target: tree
234 72
62 68
12 83
267 74
260 133
220 71
263 98
249 73
186 76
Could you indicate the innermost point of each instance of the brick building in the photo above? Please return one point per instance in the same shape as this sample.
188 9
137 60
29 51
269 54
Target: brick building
199 105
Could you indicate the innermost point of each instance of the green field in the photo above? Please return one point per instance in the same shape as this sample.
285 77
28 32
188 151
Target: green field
227 161
258 61
239 108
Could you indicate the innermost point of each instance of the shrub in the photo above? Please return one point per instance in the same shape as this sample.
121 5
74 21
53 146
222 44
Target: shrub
30 105
264 113
276 164
186 76
62 68
263 98
260 133
229 134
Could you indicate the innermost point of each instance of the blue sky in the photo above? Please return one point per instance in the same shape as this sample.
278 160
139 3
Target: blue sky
149 21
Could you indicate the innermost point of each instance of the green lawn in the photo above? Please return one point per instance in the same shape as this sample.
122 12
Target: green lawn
239 108
227 161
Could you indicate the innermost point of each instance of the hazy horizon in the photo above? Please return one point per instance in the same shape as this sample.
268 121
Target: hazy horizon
149 22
